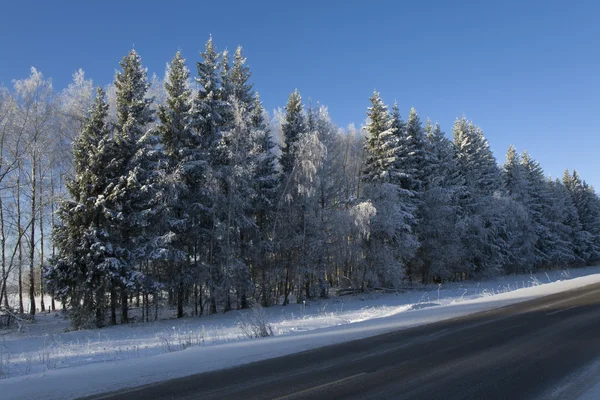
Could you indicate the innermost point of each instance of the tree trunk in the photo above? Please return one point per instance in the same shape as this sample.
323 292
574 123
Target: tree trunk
124 306
286 291
32 237
195 299
20 243
180 294
42 305
113 307
4 292
53 305
147 304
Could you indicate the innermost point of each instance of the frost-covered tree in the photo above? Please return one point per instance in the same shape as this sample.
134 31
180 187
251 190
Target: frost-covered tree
86 263
293 126
181 173
587 203
211 115
440 250
480 216
389 241
412 158
522 240
265 183
132 191
567 239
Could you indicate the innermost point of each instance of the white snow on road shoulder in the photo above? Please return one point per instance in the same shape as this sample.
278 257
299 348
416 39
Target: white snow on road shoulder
44 362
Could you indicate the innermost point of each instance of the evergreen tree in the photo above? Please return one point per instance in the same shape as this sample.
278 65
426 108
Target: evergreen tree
389 241
440 252
86 262
412 157
381 145
180 174
239 77
265 184
565 227
523 237
212 115
133 190
293 126
587 204
481 218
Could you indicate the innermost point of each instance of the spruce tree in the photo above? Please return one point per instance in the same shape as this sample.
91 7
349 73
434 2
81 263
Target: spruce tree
481 219
180 175
293 126
266 185
523 237
587 204
412 157
381 144
212 114
390 242
133 191
86 262
440 251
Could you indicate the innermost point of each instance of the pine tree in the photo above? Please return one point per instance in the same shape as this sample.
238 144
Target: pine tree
523 239
210 106
293 126
239 77
565 227
212 114
475 159
440 252
389 241
587 204
481 219
381 143
444 168
180 175
133 191
412 158
266 185
86 261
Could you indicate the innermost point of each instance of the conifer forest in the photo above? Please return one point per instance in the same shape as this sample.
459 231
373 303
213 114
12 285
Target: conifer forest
185 192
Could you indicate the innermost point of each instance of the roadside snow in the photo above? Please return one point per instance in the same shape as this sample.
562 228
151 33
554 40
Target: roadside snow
592 394
44 362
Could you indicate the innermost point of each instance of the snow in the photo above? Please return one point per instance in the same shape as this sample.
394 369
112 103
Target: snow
45 362
592 394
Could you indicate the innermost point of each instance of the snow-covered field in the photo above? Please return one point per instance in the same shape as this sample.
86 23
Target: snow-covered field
45 361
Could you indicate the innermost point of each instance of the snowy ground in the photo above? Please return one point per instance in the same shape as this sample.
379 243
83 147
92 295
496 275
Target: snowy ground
45 362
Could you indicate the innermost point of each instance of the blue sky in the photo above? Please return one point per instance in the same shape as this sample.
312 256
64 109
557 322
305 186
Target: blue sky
527 72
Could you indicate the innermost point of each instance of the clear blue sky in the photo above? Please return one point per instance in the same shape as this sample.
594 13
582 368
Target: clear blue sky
527 72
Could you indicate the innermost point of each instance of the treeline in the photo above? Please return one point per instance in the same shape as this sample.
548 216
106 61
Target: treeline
191 194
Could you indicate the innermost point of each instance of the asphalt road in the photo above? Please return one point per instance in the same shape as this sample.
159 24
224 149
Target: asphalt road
516 352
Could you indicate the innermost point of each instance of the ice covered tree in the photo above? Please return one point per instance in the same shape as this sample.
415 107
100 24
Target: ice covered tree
523 237
587 203
390 242
181 174
415 164
86 262
412 157
480 215
293 126
133 190
440 250
211 115
568 239
265 183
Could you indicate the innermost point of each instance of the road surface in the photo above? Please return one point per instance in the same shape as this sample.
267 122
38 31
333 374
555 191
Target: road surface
516 352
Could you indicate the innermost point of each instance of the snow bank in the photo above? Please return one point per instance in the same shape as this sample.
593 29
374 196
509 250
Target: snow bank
216 341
